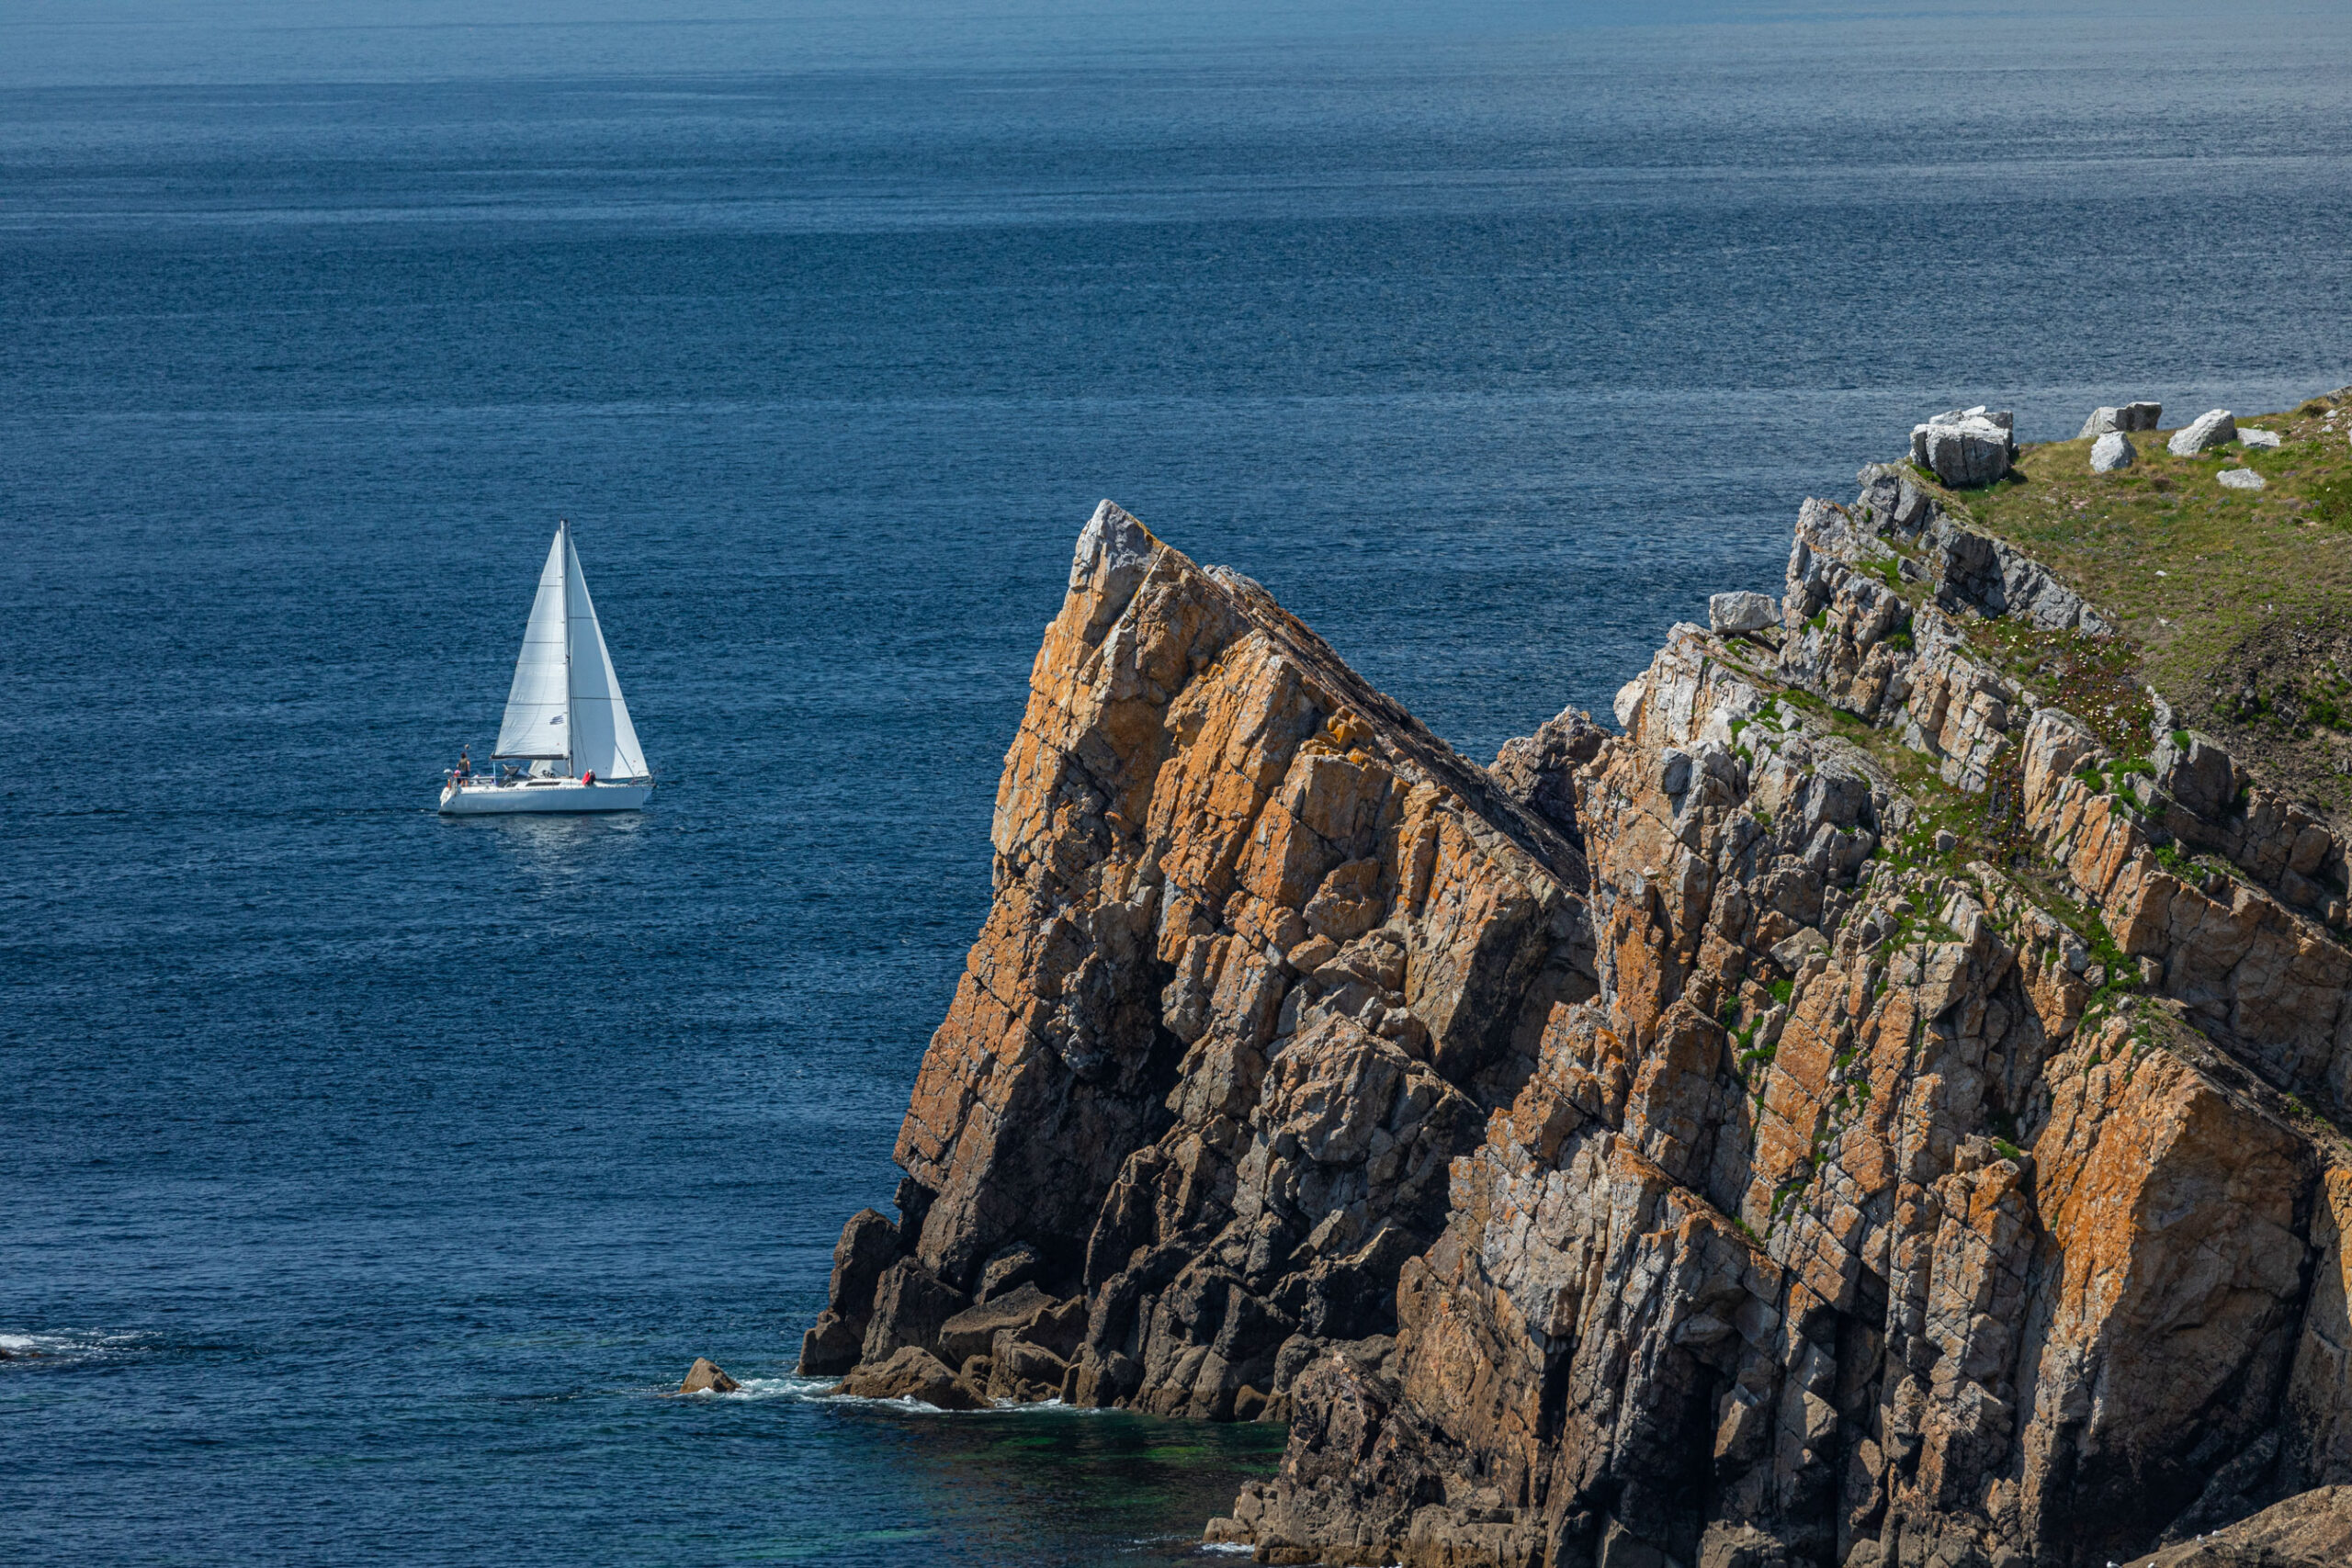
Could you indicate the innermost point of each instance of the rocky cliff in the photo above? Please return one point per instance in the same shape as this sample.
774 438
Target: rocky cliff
1863 1113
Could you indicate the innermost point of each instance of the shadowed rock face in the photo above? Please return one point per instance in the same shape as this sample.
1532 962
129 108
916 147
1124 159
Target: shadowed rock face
1625 1156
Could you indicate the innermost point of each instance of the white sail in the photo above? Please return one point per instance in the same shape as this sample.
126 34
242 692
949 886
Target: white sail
604 741
537 721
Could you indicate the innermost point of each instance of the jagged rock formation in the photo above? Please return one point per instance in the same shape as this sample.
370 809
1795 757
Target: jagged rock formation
1263 952
1831 1122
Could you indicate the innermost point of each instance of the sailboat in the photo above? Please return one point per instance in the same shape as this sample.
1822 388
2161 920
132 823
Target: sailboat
566 743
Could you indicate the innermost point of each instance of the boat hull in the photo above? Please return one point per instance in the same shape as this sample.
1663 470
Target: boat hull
567 795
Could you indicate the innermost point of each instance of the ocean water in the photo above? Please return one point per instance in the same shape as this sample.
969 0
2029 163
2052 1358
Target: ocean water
365 1179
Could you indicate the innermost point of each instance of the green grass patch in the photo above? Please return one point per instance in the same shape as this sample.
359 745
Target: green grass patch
2229 603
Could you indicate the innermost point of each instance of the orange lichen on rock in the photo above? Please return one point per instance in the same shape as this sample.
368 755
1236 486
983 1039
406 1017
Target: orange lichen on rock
1628 1154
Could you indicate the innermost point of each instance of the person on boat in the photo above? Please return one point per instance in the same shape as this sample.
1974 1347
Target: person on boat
465 762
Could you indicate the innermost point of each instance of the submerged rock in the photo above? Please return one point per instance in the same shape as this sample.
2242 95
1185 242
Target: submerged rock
2214 428
704 1377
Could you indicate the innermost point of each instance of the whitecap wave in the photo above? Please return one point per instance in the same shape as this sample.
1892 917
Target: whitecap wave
67 1343
819 1391
791 1386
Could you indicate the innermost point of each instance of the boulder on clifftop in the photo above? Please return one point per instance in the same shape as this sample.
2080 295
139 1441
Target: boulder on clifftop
2215 428
2128 416
2111 452
1965 446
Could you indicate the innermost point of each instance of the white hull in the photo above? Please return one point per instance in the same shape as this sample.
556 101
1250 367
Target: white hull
481 797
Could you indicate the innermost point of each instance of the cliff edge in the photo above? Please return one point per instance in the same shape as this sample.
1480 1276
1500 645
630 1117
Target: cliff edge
1864 1113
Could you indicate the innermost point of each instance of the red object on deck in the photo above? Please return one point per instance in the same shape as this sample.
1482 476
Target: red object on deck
589 778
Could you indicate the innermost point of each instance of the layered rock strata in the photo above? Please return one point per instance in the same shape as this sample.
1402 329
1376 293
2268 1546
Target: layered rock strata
1857 1115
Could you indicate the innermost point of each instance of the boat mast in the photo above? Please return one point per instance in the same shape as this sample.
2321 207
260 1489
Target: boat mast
563 570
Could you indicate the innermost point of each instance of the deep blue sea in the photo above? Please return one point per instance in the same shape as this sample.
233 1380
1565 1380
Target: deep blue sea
366 1178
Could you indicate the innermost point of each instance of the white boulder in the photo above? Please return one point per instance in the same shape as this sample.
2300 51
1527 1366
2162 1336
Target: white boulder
1965 446
2005 417
1741 612
1629 700
2210 429
2111 452
2240 478
2124 416
2259 437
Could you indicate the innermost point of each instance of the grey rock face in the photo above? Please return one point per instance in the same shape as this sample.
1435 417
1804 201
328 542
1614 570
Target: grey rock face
2240 478
2111 452
1539 771
2196 772
2259 437
1741 612
2212 428
1628 701
1114 552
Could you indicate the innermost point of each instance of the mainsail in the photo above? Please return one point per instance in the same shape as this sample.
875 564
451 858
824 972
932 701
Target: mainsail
566 702
604 741
539 706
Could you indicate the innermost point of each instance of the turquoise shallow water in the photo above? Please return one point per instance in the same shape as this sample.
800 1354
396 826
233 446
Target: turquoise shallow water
365 1177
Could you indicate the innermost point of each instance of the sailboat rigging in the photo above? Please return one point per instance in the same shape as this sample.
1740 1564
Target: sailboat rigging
566 742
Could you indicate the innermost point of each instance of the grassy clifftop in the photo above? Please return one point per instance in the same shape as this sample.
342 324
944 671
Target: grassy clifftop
2235 604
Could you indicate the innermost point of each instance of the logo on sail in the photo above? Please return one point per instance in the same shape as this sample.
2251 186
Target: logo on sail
557 719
